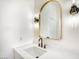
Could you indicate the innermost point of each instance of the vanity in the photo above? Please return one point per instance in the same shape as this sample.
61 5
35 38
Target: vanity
30 51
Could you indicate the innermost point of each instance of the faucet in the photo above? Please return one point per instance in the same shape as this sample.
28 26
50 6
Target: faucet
41 44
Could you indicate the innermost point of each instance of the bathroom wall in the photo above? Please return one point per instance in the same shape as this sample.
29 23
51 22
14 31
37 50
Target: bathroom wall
70 37
16 24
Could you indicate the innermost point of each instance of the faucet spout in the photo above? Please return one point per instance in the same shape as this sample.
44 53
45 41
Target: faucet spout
41 42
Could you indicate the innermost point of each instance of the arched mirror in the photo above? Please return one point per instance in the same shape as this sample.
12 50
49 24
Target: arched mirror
50 20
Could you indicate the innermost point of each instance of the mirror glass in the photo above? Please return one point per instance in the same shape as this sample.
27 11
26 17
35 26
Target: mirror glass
50 21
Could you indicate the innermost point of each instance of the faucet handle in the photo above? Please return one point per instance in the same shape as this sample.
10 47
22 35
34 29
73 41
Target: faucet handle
44 45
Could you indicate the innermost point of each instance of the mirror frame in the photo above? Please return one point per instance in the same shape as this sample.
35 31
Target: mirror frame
60 17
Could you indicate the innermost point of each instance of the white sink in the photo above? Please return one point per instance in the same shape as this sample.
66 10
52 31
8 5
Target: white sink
35 51
29 51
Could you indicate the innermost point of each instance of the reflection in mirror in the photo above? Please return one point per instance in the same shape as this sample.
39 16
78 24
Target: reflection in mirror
50 20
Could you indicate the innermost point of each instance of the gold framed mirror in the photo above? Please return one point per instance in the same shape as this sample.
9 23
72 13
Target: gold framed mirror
50 20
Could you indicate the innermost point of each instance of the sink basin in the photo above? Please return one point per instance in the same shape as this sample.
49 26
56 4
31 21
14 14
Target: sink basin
35 51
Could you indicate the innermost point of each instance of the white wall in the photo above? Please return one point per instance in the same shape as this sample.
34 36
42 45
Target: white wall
70 24
16 22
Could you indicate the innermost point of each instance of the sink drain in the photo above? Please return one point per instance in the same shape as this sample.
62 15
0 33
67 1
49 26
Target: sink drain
37 56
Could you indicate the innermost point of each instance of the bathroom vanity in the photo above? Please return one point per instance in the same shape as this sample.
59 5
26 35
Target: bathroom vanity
31 51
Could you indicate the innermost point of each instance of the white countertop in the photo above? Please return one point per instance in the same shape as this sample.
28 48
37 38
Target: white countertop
53 52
